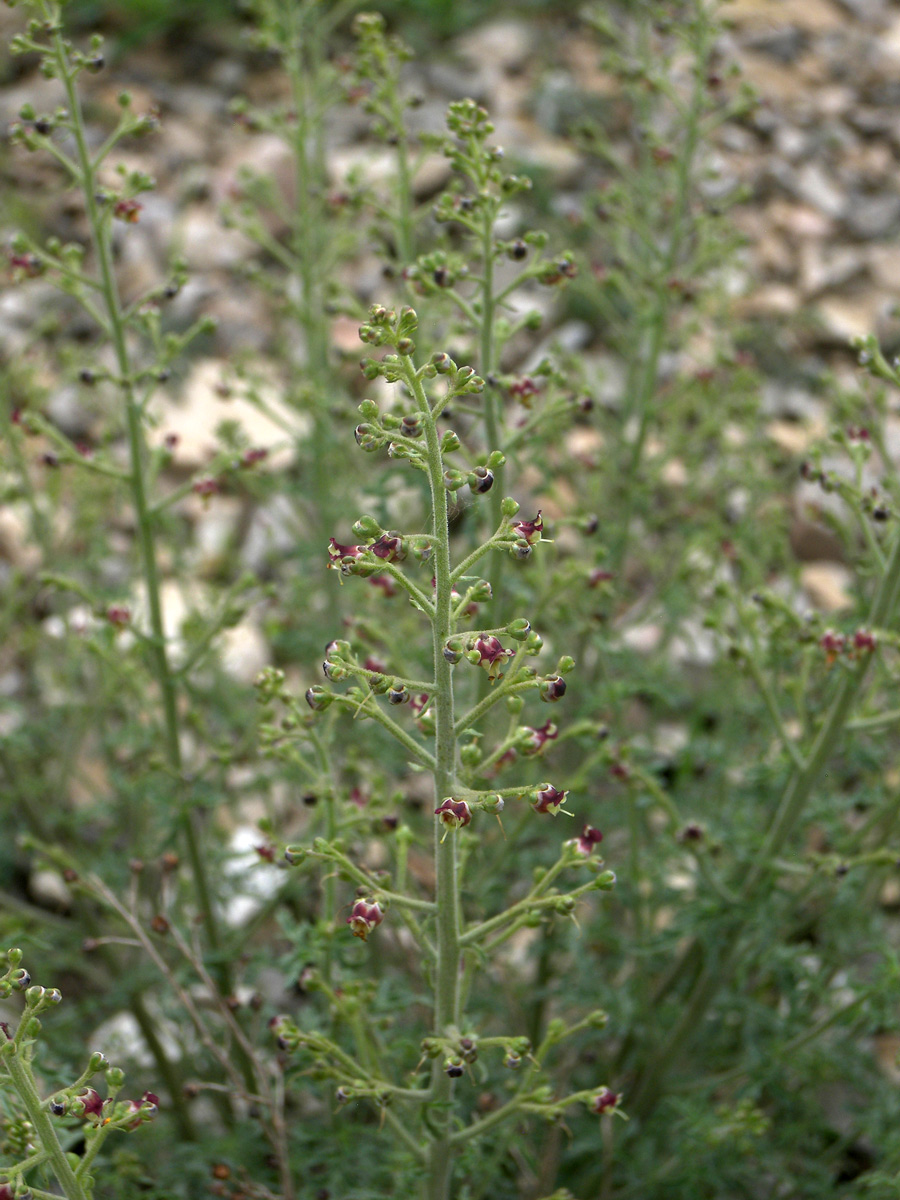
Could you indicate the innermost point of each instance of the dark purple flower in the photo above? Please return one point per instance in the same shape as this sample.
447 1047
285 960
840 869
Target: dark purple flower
605 1101
341 558
489 653
589 840
453 813
532 741
146 1109
530 531
552 688
389 547
364 916
548 799
90 1102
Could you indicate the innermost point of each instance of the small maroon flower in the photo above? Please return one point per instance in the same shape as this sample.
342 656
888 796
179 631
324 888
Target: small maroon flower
26 266
338 556
358 797
552 688
206 487
364 917
489 653
389 547
555 272
146 1109
118 615
385 583
453 814
523 389
533 740
128 210
598 576
266 853
864 640
548 799
529 531
250 457
605 1101
833 644
318 698
589 840
90 1102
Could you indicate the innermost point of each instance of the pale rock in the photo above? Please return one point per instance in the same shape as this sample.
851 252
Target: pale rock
694 645
675 473
871 217
811 16
821 268
345 335
889 896
826 584
48 889
888 42
782 88
433 174
504 45
737 504
251 880
884 264
794 437
16 543
215 526
244 651
643 639
792 143
89 779
846 318
196 414
243 317
120 1037
585 445
176 602
562 162
834 101
791 403
670 738
771 300
206 244
774 255
375 168
814 186
798 220
183 144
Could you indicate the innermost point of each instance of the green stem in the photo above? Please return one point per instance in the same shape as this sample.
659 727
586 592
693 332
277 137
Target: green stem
447 974
137 454
799 788
492 431
23 1080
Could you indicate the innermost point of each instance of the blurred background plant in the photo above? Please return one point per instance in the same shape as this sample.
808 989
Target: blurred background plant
728 725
